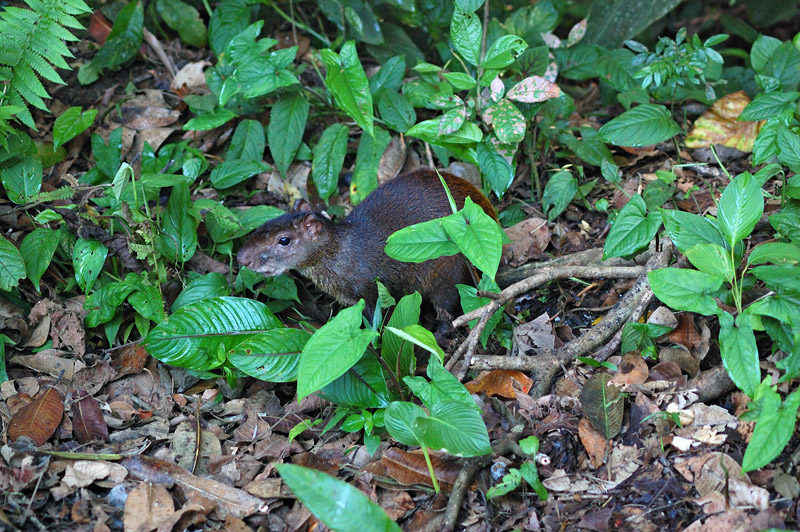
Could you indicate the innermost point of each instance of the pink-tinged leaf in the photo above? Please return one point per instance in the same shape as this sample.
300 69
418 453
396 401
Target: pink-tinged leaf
87 420
497 89
452 120
576 33
551 40
534 89
508 122
551 73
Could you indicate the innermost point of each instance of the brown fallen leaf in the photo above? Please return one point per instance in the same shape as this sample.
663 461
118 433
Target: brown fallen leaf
719 125
39 419
229 500
148 505
410 468
632 370
87 419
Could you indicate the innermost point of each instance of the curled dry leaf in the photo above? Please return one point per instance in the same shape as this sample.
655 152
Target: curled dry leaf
719 125
632 370
39 419
502 382
530 237
87 419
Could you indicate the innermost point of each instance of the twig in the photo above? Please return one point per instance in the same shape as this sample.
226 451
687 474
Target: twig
540 277
545 365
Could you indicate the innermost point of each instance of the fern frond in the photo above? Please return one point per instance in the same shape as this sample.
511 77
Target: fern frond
63 193
33 45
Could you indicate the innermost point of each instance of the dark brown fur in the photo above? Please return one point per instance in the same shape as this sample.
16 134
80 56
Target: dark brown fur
345 259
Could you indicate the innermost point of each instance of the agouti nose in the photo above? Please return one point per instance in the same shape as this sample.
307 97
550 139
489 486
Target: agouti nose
263 257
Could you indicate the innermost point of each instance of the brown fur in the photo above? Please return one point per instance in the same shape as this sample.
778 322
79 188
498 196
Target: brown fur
345 259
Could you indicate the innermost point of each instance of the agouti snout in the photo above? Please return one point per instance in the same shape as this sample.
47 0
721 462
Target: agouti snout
345 259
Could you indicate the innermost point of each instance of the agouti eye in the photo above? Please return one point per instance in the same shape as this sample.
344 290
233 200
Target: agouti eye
284 241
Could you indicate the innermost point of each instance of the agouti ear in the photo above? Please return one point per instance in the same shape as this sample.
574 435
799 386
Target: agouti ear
312 225
302 205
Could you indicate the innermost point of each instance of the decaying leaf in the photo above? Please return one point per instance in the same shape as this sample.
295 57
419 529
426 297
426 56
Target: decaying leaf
39 419
719 125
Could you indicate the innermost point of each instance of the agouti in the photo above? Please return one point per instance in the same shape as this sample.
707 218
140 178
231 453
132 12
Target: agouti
344 259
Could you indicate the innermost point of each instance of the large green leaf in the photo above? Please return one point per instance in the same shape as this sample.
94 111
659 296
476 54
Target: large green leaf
178 237
333 349
687 230
88 257
12 267
37 251
70 124
328 159
465 30
643 125
348 83
287 123
337 504
737 347
683 289
199 335
773 430
632 231
272 356
740 208
477 235
456 428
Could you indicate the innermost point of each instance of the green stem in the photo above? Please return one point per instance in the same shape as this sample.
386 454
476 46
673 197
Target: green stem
300 25
430 469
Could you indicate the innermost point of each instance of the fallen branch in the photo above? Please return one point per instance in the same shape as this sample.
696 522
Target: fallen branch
541 277
545 365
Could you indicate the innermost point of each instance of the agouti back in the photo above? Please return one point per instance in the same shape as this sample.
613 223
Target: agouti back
344 259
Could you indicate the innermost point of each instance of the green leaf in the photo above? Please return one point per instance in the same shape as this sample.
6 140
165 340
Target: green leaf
185 19
395 111
37 250
767 105
455 428
272 356
781 278
406 312
368 158
337 504
212 284
333 349
686 289
287 123
761 51
22 179
247 142
643 125
687 230
199 335
465 30
420 336
713 259
477 236
460 80
177 240
229 19
88 257
12 266
123 41
740 208
498 171
443 386
208 121
507 121
789 146
774 253
558 193
348 84
773 430
234 171
401 422
328 159
389 76
737 347
503 52
420 242
363 386
70 124
632 230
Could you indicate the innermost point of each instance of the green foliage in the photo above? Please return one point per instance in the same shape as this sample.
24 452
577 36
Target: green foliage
527 471
33 44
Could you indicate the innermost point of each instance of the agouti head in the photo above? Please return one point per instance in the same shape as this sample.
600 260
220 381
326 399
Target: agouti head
291 241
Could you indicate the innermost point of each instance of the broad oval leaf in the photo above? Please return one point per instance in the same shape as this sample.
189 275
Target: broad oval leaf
88 257
348 83
287 123
740 208
477 236
465 30
37 251
682 289
737 347
773 430
337 504
632 231
713 259
198 335
39 419
272 355
12 267
455 428
328 159
401 422
333 349
70 124
420 242
643 125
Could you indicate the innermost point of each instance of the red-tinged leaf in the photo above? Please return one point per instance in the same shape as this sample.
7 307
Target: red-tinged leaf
533 89
99 27
87 420
39 419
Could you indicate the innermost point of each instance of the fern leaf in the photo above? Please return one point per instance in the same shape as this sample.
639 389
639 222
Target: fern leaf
44 69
